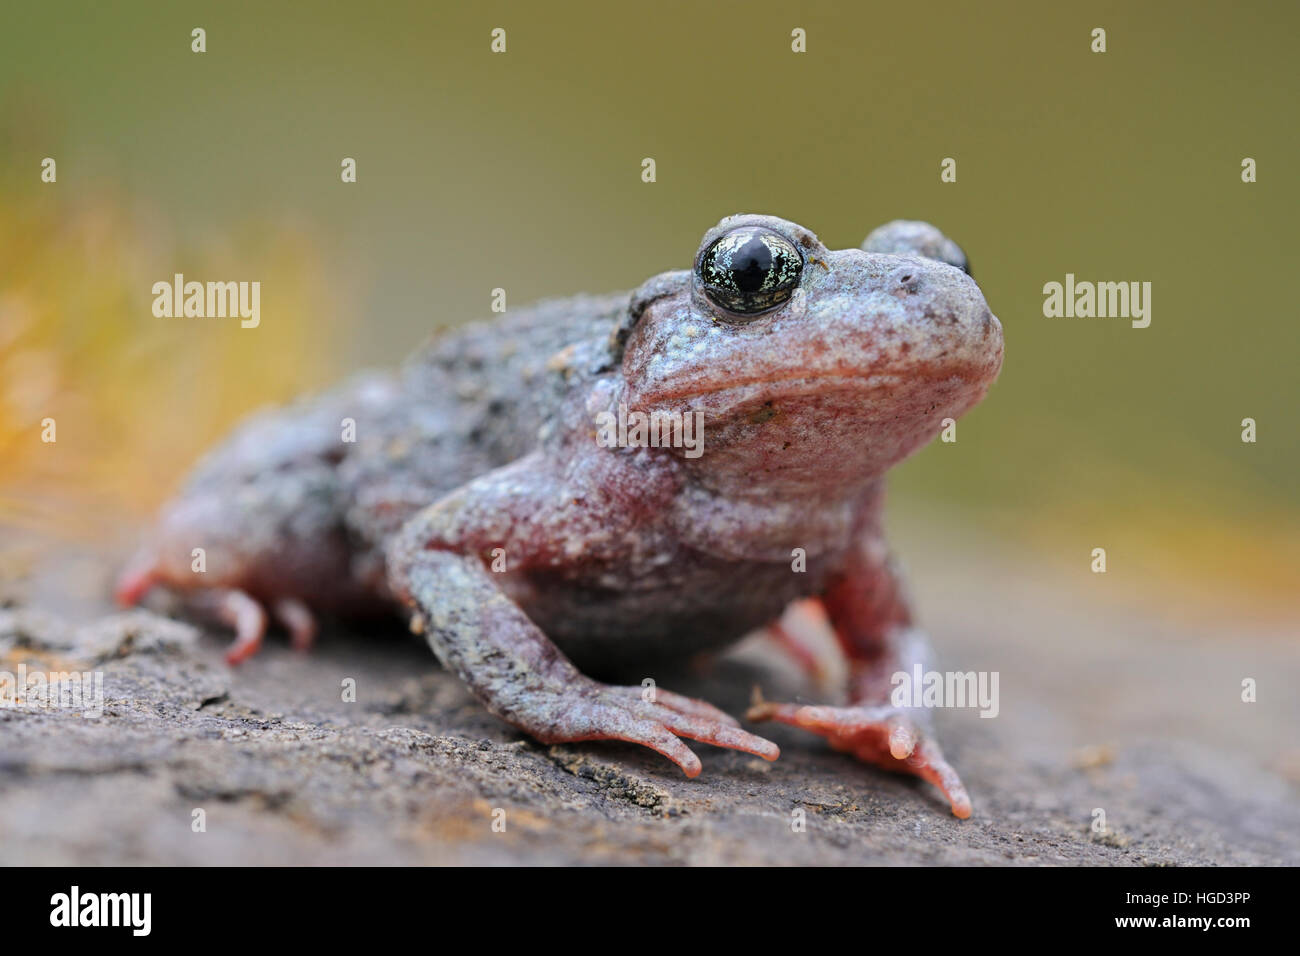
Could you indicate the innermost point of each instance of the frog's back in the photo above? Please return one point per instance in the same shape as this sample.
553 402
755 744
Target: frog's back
503 378
473 398
300 500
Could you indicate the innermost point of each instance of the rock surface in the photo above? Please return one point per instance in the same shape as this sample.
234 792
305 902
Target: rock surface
1100 709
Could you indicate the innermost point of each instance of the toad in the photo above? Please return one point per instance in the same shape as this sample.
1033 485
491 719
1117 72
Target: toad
477 489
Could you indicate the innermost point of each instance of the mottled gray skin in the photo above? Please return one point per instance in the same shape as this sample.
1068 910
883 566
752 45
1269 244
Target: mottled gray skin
477 495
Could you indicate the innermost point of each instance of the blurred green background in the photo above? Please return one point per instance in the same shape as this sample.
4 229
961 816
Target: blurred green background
522 171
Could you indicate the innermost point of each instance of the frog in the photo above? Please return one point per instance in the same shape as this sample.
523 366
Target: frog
475 490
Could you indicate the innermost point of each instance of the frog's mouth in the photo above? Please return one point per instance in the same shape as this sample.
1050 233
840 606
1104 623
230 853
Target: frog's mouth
821 433
737 398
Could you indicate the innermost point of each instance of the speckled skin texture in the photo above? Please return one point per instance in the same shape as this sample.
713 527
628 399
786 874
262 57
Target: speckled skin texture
477 496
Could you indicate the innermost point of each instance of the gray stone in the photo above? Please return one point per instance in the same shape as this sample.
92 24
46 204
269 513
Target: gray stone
1151 731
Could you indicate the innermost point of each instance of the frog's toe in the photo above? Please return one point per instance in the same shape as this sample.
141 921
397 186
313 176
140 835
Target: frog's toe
248 619
607 716
882 735
650 733
681 703
624 713
928 763
239 611
136 579
298 620
700 720
709 731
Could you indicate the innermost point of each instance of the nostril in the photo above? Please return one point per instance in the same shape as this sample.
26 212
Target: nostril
905 280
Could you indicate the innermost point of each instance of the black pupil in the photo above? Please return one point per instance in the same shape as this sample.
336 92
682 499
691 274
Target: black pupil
749 271
751 264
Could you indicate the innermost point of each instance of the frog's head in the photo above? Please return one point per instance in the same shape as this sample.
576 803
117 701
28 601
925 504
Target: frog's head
814 369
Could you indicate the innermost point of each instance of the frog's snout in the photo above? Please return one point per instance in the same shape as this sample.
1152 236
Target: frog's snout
938 294
921 316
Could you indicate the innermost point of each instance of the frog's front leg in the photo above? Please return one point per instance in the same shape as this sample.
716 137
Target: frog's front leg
437 567
870 615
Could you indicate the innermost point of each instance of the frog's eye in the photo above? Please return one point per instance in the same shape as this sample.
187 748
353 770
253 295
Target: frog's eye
750 270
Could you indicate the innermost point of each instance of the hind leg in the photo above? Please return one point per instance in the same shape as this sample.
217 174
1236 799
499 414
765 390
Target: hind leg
237 609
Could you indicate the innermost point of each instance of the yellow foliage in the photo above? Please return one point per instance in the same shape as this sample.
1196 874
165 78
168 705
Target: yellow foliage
133 398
